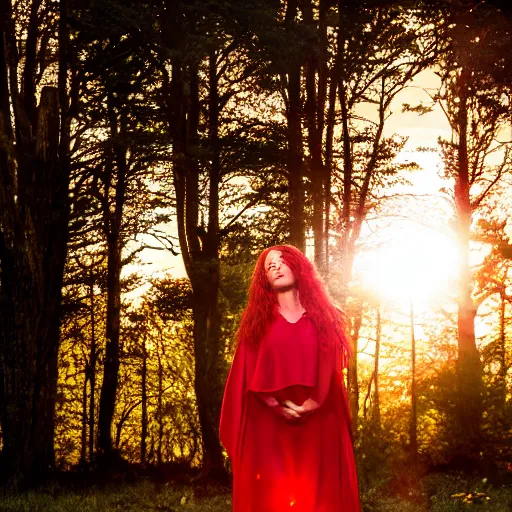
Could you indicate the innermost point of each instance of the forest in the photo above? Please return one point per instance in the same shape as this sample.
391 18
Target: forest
151 149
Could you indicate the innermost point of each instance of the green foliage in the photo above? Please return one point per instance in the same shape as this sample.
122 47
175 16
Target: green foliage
171 298
374 452
159 342
438 410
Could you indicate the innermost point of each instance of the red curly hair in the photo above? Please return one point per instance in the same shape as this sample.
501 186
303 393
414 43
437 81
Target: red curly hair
262 304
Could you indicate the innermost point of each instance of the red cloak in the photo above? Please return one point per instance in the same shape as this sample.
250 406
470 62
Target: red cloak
277 465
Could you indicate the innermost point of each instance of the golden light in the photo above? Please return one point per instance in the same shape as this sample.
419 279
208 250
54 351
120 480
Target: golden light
415 264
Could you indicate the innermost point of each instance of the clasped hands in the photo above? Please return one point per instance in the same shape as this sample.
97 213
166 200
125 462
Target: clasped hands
289 410
294 413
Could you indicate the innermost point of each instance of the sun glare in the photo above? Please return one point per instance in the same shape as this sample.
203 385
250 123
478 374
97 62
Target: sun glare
417 264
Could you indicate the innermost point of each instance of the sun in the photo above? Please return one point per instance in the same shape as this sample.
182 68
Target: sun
416 264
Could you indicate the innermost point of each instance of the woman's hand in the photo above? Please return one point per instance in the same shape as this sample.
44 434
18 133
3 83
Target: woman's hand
289 410
280 408
287 413
302 410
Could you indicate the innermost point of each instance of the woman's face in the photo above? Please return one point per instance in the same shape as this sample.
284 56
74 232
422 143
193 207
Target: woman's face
278 273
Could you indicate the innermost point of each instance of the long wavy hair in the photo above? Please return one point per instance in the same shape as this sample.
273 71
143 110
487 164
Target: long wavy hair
262 304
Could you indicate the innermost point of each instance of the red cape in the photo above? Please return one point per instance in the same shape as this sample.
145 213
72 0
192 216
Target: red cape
309 466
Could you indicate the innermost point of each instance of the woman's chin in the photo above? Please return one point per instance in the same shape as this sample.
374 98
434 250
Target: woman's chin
283 286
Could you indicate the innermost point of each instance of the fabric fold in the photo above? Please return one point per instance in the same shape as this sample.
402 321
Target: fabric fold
287 357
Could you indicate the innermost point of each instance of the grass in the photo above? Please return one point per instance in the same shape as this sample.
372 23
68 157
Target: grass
442 492
454 493
435 493
140 496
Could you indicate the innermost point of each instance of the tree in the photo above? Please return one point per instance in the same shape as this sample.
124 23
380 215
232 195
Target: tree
203 79
290 75
82 342
34 210
476 110
364 77
119 151
492 285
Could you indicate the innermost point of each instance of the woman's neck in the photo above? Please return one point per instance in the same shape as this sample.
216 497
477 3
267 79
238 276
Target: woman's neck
289 301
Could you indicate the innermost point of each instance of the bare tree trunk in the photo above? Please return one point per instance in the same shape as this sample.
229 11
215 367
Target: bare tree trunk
33 242
333 88
347 155
112 227
316 65
92 370
469 367
414 406
296 193
367 398
376 396
206 383
204 275
34 211
353 381
83 444
144 404
111 365
502 350
295 171
160 411
200 246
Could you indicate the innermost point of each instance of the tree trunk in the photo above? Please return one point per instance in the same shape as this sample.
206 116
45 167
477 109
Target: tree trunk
376 396
200 246
295 171
160 411
414 405
33 242
296 193
92 370
329 142
114 267
502 346
316 65
83 443
353 381
347 237
207 386
469 367
111 365
205 279
144 404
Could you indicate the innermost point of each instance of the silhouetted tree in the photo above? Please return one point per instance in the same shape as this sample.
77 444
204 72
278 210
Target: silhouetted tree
34 210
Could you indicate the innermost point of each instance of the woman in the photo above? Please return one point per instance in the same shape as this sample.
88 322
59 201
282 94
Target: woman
285 421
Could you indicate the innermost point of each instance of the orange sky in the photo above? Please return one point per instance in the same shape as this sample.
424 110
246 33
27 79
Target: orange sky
427 242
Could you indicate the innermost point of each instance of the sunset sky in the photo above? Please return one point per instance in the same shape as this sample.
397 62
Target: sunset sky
412 252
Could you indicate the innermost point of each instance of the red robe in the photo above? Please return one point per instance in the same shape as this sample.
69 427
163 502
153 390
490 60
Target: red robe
277 465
